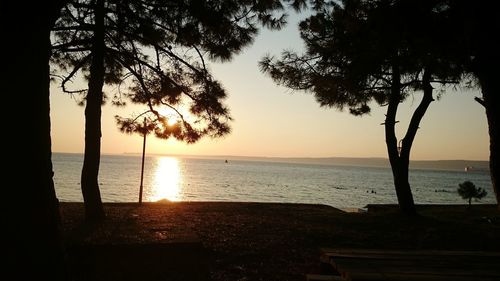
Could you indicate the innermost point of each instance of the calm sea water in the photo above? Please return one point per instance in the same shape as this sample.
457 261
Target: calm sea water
190 179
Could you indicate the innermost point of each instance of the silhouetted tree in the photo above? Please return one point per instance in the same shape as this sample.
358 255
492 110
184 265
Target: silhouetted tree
358 52
476 23
80 29
468 190
33 243
113 40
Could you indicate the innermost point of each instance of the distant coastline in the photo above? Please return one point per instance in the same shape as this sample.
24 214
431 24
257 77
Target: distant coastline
454 165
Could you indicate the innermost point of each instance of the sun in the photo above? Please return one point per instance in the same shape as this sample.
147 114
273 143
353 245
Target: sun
171 121
173 117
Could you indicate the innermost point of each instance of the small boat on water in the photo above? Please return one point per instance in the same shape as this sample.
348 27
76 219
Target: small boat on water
468 168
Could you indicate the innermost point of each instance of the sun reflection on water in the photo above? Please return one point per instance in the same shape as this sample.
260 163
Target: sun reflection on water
167 180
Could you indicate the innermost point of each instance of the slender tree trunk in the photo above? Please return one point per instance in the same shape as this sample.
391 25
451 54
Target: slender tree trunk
399 171
90 172
400 160
38 252
142 163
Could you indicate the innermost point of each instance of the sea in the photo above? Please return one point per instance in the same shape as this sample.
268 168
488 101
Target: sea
341 184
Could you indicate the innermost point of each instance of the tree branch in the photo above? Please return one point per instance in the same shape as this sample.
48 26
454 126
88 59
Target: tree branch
166 51
155 70
74 50
201 58
72 43
77 67
417 115
480 101
82 26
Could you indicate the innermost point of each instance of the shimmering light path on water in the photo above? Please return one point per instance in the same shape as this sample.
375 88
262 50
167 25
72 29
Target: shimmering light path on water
167 180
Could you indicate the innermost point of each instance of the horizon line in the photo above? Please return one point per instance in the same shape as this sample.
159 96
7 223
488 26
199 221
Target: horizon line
270 157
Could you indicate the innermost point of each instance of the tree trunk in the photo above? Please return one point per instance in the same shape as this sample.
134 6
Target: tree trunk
90 172
38 252
400 158
491 97
398 166
403 189
486 58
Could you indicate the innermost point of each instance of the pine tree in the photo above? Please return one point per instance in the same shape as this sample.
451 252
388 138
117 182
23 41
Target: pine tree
468 191
161 48
474 23
360 52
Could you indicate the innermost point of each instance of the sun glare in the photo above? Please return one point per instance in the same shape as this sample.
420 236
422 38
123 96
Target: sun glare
171 121
167 180
173 116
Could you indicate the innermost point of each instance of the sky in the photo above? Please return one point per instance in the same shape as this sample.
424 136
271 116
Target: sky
273 121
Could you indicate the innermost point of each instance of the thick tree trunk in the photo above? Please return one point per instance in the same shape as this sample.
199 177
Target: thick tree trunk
483 23
90 172
491 97
403 189
38 252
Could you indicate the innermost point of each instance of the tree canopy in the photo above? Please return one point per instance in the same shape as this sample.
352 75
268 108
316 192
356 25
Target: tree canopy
157 52
353 46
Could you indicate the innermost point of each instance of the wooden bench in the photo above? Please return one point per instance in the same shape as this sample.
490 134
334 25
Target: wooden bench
382 265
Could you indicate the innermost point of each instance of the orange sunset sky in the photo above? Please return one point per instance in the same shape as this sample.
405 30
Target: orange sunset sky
274 121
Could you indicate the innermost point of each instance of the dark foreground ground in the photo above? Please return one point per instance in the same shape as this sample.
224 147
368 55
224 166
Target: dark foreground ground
255 241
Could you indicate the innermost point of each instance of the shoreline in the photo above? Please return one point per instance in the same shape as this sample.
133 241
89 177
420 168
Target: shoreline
267 241
372 206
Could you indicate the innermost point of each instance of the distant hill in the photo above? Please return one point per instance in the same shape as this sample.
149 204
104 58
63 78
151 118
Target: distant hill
474 165
457 165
